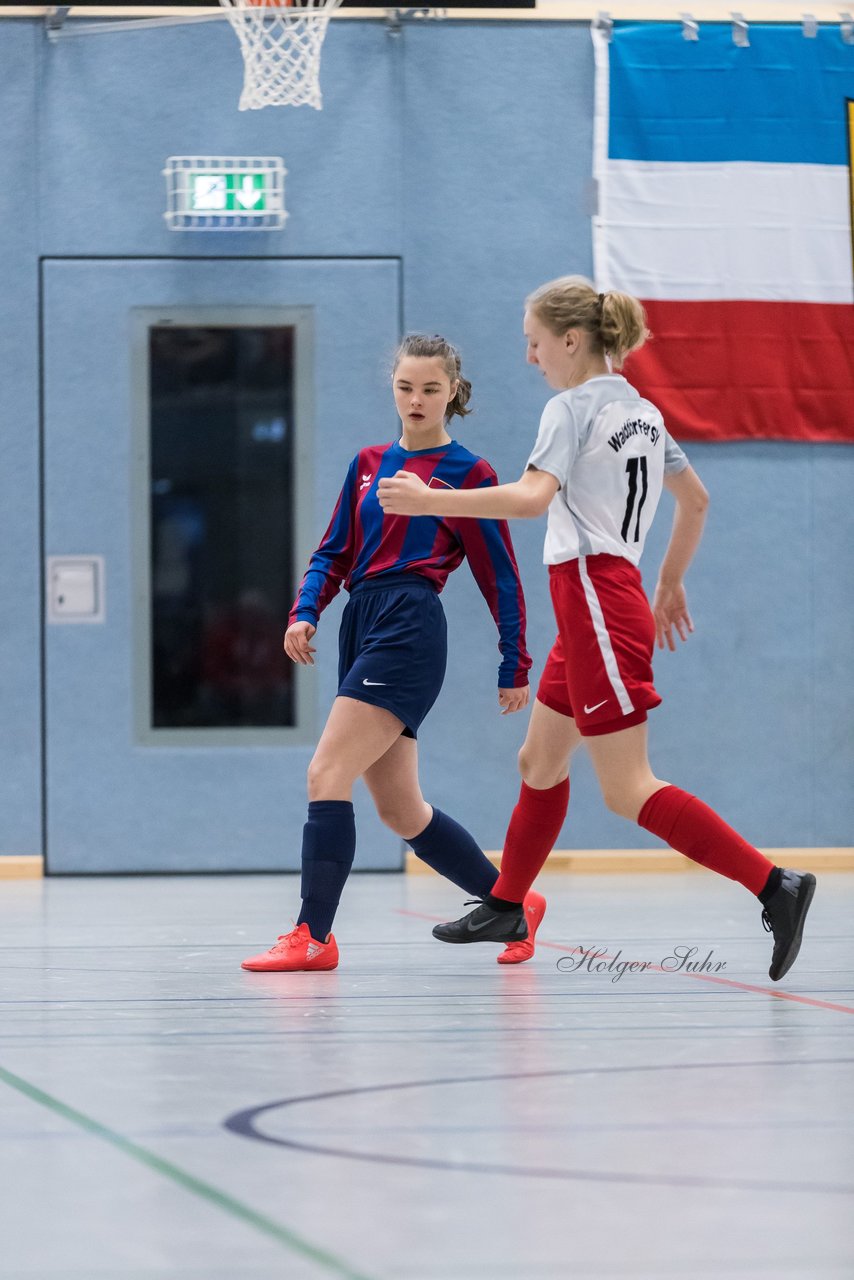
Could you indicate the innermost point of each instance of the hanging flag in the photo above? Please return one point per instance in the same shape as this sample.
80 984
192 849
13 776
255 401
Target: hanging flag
725 205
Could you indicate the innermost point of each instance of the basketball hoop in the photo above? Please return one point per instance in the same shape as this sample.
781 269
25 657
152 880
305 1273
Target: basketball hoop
281 42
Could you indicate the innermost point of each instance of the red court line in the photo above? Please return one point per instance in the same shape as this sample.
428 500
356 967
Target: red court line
699 977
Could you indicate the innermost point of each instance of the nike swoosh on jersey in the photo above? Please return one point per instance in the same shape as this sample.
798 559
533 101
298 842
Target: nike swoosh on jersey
377 682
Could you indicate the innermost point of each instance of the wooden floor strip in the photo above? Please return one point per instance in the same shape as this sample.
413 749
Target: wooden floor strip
600 861
591 861
14 867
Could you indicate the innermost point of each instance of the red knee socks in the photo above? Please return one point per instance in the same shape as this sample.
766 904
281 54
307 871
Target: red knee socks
694 829
684 822
534 827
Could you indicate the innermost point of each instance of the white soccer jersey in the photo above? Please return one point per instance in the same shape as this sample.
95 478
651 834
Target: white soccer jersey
609 451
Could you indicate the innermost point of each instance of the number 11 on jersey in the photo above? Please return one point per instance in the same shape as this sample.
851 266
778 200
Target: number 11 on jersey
632 467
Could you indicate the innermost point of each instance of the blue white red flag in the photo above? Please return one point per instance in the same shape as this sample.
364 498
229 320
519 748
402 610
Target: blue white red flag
725 205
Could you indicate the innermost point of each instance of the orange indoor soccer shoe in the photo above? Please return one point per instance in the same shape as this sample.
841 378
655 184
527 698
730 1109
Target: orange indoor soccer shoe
517 952
295 951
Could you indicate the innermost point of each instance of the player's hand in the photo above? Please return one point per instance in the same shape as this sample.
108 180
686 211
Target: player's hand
404 494
297 645
510 700
670 610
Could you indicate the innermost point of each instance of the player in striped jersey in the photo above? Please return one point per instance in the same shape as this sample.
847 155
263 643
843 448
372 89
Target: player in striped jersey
600 461
392 653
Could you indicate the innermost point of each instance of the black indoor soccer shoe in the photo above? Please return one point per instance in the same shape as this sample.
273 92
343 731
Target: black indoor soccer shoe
784 916
485 925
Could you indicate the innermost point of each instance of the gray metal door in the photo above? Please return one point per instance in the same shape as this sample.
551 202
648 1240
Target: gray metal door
123 792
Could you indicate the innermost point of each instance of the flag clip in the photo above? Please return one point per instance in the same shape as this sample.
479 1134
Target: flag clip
690 29
847 28
740 36
605 23
54 19
809 26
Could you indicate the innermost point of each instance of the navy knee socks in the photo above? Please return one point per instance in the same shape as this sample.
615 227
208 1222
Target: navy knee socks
328 849
449 849
329 845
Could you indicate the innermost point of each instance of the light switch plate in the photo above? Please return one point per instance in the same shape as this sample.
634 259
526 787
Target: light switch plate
75 588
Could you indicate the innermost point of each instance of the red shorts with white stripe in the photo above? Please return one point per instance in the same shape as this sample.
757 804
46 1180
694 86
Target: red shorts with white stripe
600 668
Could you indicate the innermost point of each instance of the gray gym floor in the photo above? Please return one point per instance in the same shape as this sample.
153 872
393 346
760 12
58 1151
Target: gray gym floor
421 1112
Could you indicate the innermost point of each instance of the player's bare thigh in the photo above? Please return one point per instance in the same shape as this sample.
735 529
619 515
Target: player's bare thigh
355 736
549 743
396 791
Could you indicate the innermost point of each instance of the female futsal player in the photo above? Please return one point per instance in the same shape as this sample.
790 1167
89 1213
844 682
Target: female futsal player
598 466
392 654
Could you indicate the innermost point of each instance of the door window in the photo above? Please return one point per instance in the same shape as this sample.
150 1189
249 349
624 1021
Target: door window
221 459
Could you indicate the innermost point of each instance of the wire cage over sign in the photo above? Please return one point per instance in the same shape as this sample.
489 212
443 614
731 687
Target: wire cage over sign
281 41
225 193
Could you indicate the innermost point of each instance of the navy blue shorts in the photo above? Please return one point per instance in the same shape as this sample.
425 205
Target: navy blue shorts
393 646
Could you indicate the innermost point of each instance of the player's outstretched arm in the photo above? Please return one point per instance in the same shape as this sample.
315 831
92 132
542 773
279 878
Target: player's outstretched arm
670 606
405 494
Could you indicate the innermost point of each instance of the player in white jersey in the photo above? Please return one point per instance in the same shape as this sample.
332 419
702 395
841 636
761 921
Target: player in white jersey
600 461
617 449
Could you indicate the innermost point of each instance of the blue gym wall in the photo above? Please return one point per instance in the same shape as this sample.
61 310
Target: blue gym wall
465 150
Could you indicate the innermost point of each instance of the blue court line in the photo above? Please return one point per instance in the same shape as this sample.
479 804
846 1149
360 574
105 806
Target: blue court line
204 1190
244 1123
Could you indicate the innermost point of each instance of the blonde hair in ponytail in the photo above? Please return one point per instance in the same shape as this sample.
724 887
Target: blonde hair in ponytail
615 321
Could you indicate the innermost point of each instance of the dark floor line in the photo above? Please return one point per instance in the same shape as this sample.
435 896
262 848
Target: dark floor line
244 1124
617 1177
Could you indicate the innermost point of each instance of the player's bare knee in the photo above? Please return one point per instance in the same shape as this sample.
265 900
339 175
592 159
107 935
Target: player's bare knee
622 801
530 766
322 780
539 772
397 820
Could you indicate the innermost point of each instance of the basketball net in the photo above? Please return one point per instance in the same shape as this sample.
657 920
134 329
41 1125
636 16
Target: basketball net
281 42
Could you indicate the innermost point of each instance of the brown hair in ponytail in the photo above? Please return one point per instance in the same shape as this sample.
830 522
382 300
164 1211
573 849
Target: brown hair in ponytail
438 348
615 321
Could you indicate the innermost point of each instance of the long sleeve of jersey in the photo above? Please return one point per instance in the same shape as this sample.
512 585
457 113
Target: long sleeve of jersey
363 542
489 551
332 561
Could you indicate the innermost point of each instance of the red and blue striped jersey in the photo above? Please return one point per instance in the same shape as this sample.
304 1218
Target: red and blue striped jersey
363 542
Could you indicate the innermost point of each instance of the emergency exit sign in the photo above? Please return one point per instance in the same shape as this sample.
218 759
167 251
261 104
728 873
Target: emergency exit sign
233 192
222 193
